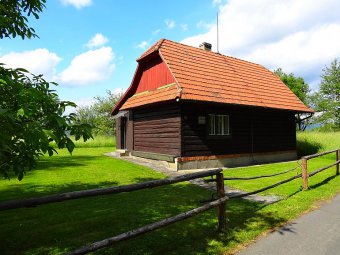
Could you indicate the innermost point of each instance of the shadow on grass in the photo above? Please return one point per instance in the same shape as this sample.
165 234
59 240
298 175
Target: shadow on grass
305 148
58 227
325 181
71 161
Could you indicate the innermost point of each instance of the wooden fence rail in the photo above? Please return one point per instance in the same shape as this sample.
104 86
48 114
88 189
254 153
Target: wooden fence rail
220 203
139 231
304 166
31 202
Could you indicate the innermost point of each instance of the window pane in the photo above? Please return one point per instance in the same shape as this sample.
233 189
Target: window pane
219 123
226 125
211 124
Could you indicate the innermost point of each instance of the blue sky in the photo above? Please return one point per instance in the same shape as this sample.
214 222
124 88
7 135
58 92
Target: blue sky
90 46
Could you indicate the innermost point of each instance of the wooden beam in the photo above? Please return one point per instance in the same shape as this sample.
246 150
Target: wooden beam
222 218
139 231
337 156
253 177
304 169
323 168
31 202
319 154
266 188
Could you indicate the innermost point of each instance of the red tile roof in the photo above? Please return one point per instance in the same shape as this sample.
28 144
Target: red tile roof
208 76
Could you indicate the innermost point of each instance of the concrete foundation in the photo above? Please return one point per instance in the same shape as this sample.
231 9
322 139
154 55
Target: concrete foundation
215 161
235 161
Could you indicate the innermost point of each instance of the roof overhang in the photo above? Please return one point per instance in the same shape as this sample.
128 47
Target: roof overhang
121 114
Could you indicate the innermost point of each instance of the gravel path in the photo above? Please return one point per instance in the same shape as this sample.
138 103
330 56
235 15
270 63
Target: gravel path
162 168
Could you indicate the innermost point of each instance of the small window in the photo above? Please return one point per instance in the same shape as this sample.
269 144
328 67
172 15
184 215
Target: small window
218 124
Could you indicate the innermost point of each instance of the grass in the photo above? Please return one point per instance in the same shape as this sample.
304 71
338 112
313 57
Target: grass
59 227
97 141
310 142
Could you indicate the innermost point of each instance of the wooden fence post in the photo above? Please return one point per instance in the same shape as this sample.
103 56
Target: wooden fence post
222 219
337 152
304 174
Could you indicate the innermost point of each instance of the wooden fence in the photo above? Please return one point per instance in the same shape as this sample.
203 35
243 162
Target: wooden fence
220 202
304 166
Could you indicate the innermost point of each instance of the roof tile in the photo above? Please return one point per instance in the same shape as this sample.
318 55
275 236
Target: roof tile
209 76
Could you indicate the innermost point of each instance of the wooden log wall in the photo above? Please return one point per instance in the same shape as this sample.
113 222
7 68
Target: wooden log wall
251 130
157 129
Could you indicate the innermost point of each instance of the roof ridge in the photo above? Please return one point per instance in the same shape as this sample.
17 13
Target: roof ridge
211 52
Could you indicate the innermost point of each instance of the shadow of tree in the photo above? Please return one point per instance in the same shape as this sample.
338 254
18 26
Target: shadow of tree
64 162
305 147
56 228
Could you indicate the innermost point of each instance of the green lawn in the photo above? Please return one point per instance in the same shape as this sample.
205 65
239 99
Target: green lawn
59 227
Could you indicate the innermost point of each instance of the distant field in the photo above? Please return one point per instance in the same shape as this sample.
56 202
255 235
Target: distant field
310 142
98 141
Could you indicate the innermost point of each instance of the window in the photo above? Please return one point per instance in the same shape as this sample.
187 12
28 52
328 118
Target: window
218 124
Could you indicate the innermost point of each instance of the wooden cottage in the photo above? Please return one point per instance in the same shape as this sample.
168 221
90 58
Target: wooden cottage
195 109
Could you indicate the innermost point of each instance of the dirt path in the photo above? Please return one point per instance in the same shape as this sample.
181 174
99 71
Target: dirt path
160 167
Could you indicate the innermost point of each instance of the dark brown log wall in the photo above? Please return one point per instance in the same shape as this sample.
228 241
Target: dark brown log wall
118 135
251 130
157 129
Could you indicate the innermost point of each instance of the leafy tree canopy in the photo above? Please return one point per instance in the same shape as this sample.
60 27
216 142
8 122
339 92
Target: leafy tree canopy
14 17
99 114
301 89
327 99
31 114
31 118
296 84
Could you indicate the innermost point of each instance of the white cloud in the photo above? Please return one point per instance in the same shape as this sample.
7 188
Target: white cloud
143 45
39 61
77 3
204 25
170 23
89 67
299 36
97 41
184 27
155 32
216 2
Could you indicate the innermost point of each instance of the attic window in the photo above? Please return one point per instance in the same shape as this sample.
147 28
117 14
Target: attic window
218 124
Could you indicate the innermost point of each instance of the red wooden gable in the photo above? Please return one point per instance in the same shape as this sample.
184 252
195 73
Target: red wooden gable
155 74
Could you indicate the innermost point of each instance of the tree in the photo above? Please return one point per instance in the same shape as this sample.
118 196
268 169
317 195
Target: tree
327 99
99 114
14 17
31 114
301 89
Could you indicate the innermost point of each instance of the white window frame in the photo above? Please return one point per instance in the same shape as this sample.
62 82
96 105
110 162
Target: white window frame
212 128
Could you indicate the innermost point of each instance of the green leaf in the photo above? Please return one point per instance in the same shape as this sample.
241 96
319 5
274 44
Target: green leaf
70 145
21 112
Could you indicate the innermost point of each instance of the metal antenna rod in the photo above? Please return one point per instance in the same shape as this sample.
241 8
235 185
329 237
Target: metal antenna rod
218 51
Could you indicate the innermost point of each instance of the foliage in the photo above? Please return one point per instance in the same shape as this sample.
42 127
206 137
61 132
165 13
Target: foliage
31 114
99 114
301 89
327 99
93 219
31 117
13 17
296 84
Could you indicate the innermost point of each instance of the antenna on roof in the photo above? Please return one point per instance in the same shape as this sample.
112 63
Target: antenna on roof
218 51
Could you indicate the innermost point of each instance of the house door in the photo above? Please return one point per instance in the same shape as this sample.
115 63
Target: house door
123 132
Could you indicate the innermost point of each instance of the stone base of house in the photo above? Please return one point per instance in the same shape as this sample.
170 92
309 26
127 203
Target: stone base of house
229 160
234 160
